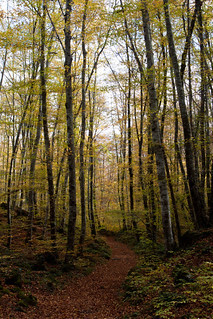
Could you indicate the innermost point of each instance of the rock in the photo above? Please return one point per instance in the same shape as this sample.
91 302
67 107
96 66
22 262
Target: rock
14 278
20 211
44 258
181 275
26 300
48 257
191 237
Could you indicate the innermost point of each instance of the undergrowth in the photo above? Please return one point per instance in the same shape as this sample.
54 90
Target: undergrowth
26 266
176 286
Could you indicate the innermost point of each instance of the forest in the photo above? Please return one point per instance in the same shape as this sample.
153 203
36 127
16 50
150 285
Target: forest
106 128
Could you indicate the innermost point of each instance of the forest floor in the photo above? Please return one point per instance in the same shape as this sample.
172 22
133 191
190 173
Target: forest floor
104 284
97 295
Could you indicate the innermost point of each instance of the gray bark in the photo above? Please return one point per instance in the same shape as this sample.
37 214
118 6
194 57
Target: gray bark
196 194
70 134
46 133
83 128
156 138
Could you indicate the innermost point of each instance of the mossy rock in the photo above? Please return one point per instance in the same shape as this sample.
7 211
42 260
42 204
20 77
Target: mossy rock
48 257
181 275
44 258
4 291
14 278
189 238
26 300
38 265
98 247
68 267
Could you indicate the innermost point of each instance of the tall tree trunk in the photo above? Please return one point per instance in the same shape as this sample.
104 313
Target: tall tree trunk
179 159
129 137
203 95
196 193
140 132
151 226
3 69
14 153
165 207
32 177
70 134
46 133
91 166
83 128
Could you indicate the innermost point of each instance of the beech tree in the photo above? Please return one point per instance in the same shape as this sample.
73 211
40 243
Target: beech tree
197 196
156 136
45 127
70 132
125 105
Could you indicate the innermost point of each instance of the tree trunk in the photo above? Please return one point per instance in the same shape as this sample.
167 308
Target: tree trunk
32 177
46 133
91 180
70 135
203 96
165 207
129 137
83 128
196 194
151 226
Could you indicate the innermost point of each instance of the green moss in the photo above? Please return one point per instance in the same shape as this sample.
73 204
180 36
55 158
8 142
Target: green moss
179 286
98 247
181 275
26 300
4 291
14 278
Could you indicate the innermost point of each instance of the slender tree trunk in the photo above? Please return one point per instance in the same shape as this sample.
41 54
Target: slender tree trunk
120 183
203 96
165 207
83 128
46 133
91 173
151 226
197 195
70 134
63 195
3 69
13 157
129 137
140 132
32 177
179 159
123 161
60 172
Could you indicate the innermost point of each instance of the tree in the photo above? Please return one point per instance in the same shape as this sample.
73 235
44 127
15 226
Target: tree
70 133
196 193
83 128
156 138
45 128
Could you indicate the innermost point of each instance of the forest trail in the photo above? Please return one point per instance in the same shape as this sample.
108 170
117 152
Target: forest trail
94 296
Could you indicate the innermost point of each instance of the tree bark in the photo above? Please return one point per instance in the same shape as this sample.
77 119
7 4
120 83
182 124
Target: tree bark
70 134
32 178
196 194
91 167
165 207
46 133
129 138
83 128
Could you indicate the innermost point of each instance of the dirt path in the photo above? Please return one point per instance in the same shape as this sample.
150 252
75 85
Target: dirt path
90 297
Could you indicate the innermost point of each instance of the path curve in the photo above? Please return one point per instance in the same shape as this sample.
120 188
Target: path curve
94 296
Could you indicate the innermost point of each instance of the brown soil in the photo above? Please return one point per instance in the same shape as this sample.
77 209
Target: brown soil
97 295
